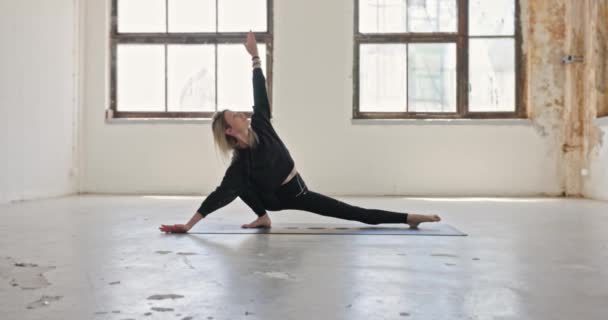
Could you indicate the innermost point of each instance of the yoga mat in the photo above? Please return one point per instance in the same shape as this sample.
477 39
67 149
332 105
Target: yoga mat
430 229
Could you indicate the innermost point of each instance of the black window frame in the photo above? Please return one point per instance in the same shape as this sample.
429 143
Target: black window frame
461 39
168 38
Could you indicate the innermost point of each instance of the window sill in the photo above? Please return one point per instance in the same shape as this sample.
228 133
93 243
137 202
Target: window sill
162 120
465 122
158 120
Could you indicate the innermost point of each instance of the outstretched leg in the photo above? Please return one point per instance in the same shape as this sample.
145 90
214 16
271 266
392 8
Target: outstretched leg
326 206
295 195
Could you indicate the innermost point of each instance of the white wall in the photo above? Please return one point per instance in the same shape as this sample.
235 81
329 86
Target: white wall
596 184
313 110
38 94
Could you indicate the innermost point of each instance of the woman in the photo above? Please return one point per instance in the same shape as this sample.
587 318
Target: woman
263 174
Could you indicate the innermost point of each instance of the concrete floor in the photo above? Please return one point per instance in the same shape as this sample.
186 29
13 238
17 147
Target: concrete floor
103 257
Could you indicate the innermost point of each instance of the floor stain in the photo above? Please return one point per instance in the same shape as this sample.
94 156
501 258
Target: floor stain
165 296
27 276
404 314
187 262
444 255
113 283
148 314
161 309
163 252
25 264
100 312
187 253
187 318
43 302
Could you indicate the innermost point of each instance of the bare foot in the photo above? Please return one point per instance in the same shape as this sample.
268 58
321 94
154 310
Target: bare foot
261 222
415 219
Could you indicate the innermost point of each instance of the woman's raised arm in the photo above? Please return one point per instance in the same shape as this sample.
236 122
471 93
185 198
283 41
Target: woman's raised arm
260 95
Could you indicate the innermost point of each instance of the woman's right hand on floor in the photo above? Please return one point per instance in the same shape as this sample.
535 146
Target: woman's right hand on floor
176 228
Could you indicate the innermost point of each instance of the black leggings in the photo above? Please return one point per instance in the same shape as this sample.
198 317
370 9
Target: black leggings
295 195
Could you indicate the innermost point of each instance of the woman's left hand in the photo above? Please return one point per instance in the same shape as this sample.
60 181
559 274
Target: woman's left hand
176 228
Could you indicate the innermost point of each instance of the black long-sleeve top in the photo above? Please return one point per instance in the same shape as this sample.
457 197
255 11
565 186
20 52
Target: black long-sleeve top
263 167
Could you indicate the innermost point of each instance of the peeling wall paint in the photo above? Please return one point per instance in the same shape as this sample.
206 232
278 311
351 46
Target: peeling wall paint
596 183
594 84
574 118
600 28
563 99
543 31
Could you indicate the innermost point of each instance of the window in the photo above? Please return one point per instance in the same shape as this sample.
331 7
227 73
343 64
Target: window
437 59
185 58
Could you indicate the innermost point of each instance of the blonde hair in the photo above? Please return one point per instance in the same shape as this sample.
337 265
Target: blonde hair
226 143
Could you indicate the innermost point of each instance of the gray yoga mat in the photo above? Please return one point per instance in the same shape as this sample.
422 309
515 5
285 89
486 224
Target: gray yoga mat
428 229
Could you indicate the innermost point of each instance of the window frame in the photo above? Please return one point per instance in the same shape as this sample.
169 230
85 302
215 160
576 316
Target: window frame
461 39
168 38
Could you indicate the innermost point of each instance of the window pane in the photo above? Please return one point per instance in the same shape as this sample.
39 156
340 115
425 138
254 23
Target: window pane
241 16
141 16
191 15
191 77
234 76
432 15
382 78
140 78
492 75
494 17
432 77
382 16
